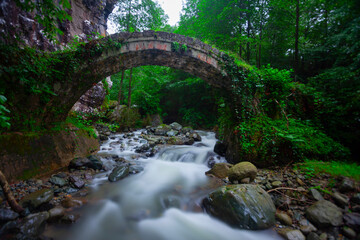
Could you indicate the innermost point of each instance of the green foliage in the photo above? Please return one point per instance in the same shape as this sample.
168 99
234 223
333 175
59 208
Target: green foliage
4 120
334 168
81 122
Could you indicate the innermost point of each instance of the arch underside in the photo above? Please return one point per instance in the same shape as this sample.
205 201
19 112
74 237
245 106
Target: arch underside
107 65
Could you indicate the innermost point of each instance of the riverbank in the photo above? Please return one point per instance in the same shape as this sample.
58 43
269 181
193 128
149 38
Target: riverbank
63 193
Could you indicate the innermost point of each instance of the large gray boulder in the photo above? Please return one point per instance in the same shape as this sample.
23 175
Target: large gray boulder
119 173
242 170
243 206
35 199
324 214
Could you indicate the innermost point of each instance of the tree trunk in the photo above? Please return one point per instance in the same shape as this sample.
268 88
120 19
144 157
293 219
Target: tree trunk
129 93
248 35
8 194
120 89
296 55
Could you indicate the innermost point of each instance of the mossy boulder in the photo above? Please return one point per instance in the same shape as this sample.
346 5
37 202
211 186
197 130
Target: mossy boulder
35 199
242 170
243 206
219 170
119 173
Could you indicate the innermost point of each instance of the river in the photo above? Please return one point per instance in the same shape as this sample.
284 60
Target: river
162 202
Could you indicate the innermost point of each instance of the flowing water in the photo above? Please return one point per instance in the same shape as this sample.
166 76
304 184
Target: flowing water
162 202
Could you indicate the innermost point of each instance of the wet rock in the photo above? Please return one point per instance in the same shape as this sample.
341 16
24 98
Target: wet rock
356 198
352 220
119 173
220 170
76 182
196 137
276 184
188 141
95 162
71 203
340 199
34 224
186 130
244 206
56 213
79 163
220 148
162 130
176 126
291 234
324 214
316 194
70 190
347 185
242 170
172 133
283 218
135 169
143 148
7 215
35 199
70 218
313 236
57 181
306 227
349 232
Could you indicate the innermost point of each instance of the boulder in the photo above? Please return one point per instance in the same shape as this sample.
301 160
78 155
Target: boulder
306 227
291 234
56 213
35 199
242 170
7 215
340 199
76 182
186 130
243 206
347 185
220 170
195 136
162 130
220 148
71 203
119 173
176 126
79 163
172 133
95 162
283 218
34 224
352 220
58 181
117 114
324 214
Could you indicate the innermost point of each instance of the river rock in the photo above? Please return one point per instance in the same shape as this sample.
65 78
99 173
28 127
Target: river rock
76 182
352 220
220 148
324 214
349 232
95 162
196 137
291 234
35 199
316 194
176 126
219 170
313 236
306 227
186 130
71 203
356 198
162 130
7 215
283 218
340 199
119 173
172 133
244 206
57 181
56 213
347 185
34 224
242 170
79 163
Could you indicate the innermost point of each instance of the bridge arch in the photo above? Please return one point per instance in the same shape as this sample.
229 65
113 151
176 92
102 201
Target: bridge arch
139 49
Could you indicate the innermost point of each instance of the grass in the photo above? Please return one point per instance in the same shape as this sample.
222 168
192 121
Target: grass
334 168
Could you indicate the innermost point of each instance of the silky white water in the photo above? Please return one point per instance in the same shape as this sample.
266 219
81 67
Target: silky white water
163 202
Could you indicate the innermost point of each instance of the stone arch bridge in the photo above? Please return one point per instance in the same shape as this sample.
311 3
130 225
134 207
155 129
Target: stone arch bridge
134 50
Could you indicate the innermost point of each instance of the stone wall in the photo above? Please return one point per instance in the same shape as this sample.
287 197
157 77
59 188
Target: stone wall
88 16
23 156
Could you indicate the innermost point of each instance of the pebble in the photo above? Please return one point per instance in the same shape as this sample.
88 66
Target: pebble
316 194
283 218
